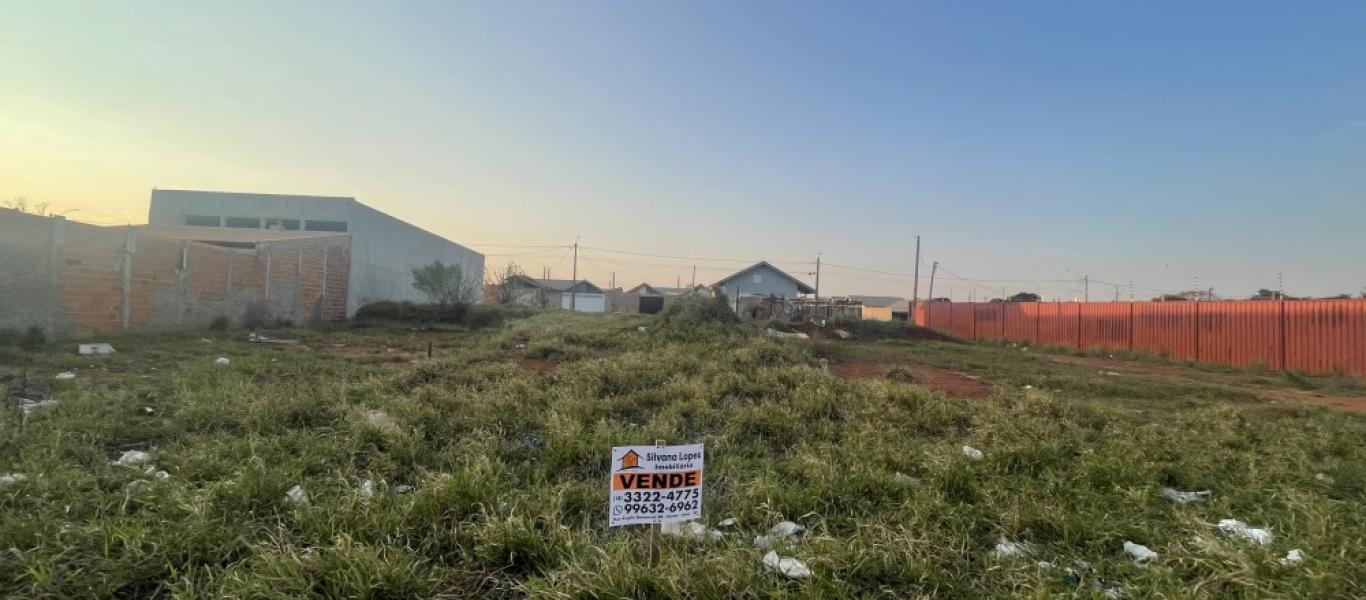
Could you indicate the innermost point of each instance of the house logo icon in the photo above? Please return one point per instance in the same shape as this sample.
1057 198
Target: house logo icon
630 460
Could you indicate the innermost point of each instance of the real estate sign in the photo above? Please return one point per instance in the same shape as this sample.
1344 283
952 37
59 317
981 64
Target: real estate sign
655 484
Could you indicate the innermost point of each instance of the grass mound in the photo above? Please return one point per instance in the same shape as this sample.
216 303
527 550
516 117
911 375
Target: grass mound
693 316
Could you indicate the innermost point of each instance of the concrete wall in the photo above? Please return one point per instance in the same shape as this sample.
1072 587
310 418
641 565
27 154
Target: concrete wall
384 250
770 283
75 279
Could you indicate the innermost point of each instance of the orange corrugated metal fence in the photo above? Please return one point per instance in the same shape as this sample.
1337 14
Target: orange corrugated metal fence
1309 336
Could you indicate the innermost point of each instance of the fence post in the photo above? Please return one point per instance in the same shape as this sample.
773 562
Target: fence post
1197 330
974 321
1131 326
1079 325
1280 325
126 268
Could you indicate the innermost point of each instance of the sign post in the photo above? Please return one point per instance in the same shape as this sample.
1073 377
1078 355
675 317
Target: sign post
652 485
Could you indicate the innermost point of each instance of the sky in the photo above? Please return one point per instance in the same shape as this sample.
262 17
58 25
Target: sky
1029 144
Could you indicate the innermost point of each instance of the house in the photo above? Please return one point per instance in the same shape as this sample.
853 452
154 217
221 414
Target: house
763 280
649 299
884 308
383 250
580 295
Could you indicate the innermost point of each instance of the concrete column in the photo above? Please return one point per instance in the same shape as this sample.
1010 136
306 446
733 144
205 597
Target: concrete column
54 268
126 303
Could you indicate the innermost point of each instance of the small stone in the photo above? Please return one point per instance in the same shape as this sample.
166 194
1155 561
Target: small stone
973 453
133 458
222 361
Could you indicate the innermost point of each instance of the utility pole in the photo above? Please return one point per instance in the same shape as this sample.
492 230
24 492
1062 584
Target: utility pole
1116 292
1196 289
1086 288
934 268
915 286
1280 285
1131 291
678 281
818 276
573 292
694 277
613 285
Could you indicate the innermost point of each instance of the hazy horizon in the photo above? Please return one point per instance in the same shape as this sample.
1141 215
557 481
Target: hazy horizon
1151 143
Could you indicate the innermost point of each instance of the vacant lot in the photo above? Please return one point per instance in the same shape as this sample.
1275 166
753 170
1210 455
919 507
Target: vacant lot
487 467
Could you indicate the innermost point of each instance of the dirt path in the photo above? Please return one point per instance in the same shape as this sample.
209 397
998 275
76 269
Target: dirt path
1181 373
952 384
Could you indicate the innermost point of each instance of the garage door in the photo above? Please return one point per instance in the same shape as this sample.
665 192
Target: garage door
586 302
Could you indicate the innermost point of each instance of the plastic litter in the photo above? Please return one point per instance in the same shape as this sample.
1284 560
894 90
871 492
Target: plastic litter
691 530
88 349
147 410
973 453
783 334
1323 478
9 479
842 334
297 496
1109 373
27 406
1235 528
1292 558
531 442
906 480
1181 497
222 361
137 486
367 489
131 458
1116 591
1028 387
404 488
380 420
789 567
64 375
261 339
779 532
642 329
1006 548
161 475
1141 554
727 522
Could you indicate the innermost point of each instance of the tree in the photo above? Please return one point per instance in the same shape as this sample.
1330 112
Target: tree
21 204
1024 297
498 287
444 284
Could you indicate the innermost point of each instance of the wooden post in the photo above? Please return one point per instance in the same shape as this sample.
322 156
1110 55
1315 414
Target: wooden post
429 348
654 530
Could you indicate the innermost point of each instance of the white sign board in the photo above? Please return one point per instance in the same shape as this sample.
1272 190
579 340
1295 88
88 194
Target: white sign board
655 484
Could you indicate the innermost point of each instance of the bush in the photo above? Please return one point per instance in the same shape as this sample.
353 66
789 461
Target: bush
34 339
9 337
477 316
692 314
866 329
256 315
220 323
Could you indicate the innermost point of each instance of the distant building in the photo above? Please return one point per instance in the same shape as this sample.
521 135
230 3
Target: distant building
649 299
884 308
383 250
580 295
762 279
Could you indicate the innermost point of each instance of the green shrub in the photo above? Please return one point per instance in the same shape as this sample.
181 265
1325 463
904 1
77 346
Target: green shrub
34 339
697 315
867 329
9 337
219 323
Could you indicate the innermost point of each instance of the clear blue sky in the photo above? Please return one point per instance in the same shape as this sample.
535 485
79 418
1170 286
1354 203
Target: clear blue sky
1153 141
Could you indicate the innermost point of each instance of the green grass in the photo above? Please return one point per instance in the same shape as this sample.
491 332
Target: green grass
1072 466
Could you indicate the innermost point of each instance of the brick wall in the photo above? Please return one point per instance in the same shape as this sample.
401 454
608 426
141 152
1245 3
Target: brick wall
74 279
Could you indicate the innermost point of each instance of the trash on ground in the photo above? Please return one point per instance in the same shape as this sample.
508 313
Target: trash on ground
1006 548
531 442
642 329
1235 528
367 489
261 339
842 334
1028 387
9 479
789 567
1141 554
1292 558
380 420
727 522
64 375
132 458
161 475
691 530
1114 591
27 406
297 496
137 486
222 360
779 532
1109 373
906 480
973 453
403 488
88 349
1181 497
1323 478
783 334
147 410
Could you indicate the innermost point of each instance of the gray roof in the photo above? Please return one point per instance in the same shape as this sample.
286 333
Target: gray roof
879 301
801 286
561 285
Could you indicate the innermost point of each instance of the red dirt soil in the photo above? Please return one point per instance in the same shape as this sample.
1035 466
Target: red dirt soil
537 365
953 385
1179 372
